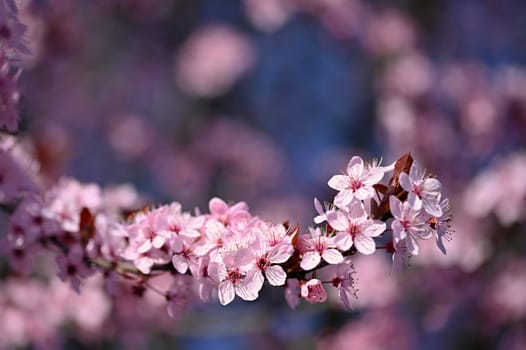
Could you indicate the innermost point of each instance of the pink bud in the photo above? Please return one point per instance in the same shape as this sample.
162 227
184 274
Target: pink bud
313 291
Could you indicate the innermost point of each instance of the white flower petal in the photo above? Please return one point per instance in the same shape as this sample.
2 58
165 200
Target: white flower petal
355 166
364 244
310 260
275 275
375 229
226 292
337 220
343 241
339 182
405 182
343 198
395 205
332 256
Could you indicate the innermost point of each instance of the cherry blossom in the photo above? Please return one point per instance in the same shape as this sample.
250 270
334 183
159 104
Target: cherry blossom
73 267
408 224
232 279
316 247
423 192
356 228
357 183
265 259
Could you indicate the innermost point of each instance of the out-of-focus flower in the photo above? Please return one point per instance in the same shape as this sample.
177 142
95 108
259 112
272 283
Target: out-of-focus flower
389 32
9 96
408 225
12 31
211 60
268 15
381 329
501 189
17 170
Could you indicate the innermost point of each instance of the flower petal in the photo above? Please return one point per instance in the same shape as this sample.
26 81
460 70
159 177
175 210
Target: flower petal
339 182
405 182
337 220
276 276
310 260
226 292
364 244
355 166
332 256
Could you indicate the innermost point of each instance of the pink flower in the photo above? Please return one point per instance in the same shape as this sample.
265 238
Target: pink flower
407 225
264 259
232 279
292 293
423 192
318 246
185 255
176 222
72 267
313 291
212 59
441 226
358 183
15 178
341 277
12 30
355 227
179 295
225 214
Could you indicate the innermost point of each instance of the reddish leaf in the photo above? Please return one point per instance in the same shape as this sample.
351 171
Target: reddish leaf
86 226
294 232
402 165
380 188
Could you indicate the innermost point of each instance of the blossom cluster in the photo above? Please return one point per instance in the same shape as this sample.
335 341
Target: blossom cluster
228 251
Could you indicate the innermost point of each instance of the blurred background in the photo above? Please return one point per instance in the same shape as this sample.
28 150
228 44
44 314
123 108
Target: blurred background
264 100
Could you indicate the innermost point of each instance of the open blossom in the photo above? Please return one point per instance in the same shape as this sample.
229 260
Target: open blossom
423 192
317 246
72 267
355 227
341 277
265 259
175 222
313 291
233 279
185 256
441 226
408 224
357 183
226 214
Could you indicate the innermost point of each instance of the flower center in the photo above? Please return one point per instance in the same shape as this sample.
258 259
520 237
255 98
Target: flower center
234 275
354 230
262 263
336 281
418 190
406 224
355 184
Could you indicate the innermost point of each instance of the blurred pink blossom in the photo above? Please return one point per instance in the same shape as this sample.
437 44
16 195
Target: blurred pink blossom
212 59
